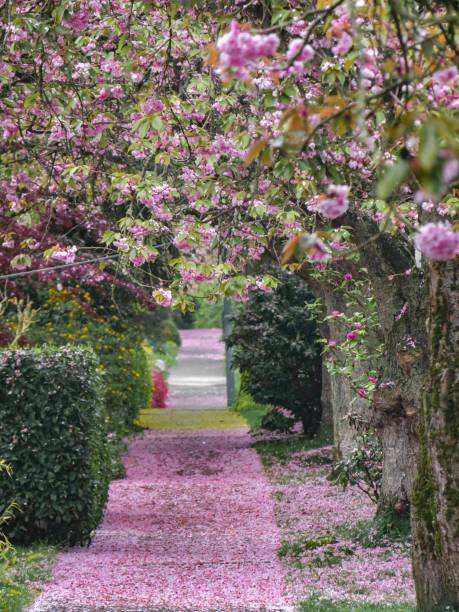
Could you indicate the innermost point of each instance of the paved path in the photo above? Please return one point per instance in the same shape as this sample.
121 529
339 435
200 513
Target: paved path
191 527
198 378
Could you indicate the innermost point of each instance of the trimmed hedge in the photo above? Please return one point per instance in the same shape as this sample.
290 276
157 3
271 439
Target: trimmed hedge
52 433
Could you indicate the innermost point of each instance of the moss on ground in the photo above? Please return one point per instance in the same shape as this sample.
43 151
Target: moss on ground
170 419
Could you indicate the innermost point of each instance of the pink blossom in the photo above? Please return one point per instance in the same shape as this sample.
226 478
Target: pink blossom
351 336
332 343
163 297
152 105
138 260
298 51
79 21
238 48
450 170
445 76
122 244
344 44
318 252
348 276
373 379
362 392
336 203
114 67
66 255
437 241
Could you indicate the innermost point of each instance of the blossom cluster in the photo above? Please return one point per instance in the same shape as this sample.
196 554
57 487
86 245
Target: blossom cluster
438 241
239 48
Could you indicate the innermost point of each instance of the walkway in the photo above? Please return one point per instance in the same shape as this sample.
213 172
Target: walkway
192 526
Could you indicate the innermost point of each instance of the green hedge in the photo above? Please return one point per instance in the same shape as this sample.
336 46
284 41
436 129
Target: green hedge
53 435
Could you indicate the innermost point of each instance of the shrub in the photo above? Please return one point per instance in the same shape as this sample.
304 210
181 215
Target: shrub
69 317
277 349
54 437
362 466
129 382
278 419
6 515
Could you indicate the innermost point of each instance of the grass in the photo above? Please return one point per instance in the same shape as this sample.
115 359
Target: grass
386 528
279 451
316 605
22 574
294 551
254 414
170 419
247 407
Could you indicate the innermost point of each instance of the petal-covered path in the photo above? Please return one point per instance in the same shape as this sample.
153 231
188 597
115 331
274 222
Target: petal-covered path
191 527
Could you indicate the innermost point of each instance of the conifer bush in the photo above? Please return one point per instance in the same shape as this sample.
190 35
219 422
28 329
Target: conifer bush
276 347
53 435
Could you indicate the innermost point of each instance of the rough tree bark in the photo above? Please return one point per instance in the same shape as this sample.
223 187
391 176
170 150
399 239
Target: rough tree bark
402 307
338 389
435 517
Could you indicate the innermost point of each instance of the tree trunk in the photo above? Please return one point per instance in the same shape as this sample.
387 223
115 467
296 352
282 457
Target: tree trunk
401 303
339 392
400 297
397 400
326 421
435 518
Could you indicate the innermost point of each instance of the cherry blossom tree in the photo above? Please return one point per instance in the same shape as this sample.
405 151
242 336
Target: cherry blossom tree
173 146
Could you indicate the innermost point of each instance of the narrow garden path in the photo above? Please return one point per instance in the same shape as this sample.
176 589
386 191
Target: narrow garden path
192 526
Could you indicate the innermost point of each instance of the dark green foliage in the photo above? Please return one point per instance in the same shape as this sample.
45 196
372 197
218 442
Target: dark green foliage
276 345
160 328
277 420
53 435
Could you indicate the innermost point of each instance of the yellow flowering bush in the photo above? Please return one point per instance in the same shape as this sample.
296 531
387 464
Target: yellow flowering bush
72 316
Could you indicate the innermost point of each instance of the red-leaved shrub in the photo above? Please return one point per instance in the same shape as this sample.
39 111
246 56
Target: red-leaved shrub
160 390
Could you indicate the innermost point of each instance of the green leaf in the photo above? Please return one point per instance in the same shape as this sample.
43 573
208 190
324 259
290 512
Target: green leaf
392 178
157 123
429 146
